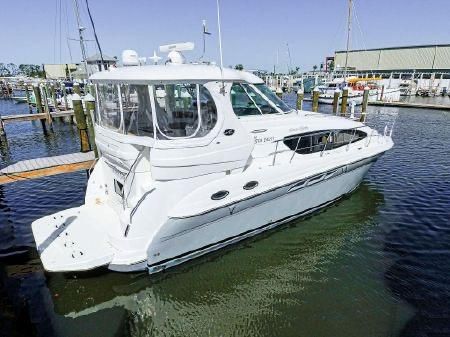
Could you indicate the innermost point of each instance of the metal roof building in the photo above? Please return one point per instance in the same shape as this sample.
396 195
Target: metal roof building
423 58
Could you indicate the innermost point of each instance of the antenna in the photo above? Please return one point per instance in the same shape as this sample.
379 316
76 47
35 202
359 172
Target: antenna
222 91
205 32
155 58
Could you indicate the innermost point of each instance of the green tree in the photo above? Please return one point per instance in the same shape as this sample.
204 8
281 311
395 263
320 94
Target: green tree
314 68
239 67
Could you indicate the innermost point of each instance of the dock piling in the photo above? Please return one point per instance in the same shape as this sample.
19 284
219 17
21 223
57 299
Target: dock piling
344 101
364 104
53 94
315 101
337 94
76 89
38 98
300 96
46 106
89 102
27 95
80 119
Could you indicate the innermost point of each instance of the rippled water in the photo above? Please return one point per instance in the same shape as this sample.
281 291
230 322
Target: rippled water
375 264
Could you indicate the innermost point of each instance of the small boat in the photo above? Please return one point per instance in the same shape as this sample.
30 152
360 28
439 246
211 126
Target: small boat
328 89
193 158
408 88
20 99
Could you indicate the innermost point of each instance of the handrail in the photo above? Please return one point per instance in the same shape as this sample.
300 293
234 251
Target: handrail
125 198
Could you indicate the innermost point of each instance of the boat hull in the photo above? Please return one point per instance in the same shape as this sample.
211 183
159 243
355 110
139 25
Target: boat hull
187 238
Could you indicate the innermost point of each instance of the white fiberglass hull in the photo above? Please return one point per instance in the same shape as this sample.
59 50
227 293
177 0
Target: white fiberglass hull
187 238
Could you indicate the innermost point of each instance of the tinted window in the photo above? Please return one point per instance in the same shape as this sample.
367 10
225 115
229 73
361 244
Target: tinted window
316 141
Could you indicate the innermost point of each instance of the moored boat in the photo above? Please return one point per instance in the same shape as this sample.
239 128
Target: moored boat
194 158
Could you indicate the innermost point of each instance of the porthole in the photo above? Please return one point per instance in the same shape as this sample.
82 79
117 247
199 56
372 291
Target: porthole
219 195
250 185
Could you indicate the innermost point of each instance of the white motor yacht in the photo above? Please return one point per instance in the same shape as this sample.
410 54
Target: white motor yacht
193 158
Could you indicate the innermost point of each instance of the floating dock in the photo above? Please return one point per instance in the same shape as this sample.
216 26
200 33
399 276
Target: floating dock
412 105
47 166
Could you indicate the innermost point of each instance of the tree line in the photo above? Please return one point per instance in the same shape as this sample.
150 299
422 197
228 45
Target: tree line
29 70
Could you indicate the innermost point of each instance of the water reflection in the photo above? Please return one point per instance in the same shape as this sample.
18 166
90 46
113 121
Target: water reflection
273 285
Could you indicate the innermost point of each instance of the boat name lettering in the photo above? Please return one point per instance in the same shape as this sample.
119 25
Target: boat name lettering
263 139
300 128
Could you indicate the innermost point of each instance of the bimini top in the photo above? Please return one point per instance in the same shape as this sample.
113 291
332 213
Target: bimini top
173 73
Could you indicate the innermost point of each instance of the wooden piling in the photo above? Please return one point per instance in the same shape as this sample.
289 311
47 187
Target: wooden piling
337 94
63 90
315 100
344 101
89 103
300 97
53 94
38 99
46 107
2 130
27 95
382 93
364 104
81 123
76 89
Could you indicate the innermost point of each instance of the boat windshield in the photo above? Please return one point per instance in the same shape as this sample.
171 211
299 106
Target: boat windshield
273 98
248 99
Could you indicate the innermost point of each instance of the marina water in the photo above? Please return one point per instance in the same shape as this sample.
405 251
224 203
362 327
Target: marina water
373 264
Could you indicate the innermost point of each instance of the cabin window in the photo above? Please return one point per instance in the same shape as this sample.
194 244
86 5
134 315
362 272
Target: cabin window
320 140
137 111
242 104
109 106
183 111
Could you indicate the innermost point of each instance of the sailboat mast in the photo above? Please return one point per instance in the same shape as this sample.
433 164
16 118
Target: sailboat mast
349 25
80 33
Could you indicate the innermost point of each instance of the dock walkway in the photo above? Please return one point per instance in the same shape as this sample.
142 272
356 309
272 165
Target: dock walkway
46 166
35 116
412 105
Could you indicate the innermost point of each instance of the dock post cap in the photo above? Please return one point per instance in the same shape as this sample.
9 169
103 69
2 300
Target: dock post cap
300 91
337 90
316 88
76 97
279 90
89 98
346 87
366 88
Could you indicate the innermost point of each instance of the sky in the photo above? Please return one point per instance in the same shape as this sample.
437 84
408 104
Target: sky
253 31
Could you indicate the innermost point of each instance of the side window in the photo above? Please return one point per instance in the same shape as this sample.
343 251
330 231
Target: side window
241 102
137 110
315 142
208 112
183 111
109 106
